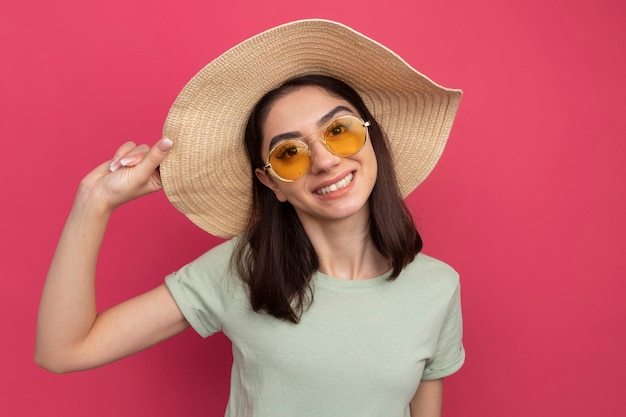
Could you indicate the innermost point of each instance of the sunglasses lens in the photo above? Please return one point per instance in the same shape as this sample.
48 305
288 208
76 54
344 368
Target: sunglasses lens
345 136
290 160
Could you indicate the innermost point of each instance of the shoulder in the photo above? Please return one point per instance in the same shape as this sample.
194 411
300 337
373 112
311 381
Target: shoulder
216 257
432 273
209 269
423 262
208 276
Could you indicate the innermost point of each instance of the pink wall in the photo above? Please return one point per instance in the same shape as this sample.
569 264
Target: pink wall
527 203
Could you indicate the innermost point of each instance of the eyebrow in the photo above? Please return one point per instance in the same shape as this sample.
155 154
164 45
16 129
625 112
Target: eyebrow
322 121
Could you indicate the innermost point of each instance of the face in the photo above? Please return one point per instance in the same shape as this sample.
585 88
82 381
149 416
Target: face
335 187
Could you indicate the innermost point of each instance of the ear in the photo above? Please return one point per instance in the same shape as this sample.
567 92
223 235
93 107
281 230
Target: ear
266 178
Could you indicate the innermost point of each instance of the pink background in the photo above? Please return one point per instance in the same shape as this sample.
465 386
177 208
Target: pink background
528 201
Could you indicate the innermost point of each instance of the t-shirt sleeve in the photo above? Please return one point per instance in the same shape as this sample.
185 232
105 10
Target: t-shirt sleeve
450 354
201 290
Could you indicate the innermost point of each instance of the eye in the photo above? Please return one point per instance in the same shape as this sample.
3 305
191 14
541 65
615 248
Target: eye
337 128
288 150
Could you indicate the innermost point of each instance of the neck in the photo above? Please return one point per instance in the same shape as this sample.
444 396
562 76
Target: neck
345 249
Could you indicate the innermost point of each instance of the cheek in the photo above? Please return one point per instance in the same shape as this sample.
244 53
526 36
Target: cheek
372 166
374 175
370 157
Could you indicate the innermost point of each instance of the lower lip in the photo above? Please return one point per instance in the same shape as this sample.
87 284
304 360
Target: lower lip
340 192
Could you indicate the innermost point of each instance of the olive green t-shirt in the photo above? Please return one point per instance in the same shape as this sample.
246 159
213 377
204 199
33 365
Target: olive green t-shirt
361 349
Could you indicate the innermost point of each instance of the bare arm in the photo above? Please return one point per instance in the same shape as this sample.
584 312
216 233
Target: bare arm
71 334
427 399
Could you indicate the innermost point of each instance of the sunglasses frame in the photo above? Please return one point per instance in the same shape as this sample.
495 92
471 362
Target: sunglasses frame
322 138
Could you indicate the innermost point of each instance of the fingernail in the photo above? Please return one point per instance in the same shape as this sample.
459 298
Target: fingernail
115 164
165 145
127 161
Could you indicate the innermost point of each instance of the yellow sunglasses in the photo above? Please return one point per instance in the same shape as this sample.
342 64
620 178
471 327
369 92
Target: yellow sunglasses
291 159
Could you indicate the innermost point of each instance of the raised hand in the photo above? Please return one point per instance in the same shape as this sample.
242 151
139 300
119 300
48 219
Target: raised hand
131 173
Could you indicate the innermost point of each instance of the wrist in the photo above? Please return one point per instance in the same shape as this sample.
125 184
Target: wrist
91 199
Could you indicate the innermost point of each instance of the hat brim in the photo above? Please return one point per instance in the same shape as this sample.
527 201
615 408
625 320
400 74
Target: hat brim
206 175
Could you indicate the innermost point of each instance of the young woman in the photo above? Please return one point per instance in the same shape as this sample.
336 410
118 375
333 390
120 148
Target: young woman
331 308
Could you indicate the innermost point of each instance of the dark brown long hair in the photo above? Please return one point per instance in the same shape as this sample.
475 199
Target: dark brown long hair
274 256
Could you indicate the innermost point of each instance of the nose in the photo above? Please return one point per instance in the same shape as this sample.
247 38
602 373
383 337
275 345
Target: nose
322 160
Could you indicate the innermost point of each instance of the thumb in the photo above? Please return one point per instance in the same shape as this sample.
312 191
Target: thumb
157 154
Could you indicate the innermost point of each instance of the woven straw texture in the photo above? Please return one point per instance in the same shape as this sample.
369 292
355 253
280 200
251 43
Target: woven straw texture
206 175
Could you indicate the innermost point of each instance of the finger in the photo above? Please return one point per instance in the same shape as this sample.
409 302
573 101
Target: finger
119 154
155 156
128 155
135 156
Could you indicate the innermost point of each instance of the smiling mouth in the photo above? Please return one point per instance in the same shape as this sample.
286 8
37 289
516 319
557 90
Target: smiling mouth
336 186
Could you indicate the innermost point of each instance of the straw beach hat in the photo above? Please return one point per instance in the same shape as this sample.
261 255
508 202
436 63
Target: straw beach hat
207 174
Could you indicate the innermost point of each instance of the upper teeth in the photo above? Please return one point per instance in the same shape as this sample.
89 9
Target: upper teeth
334 187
